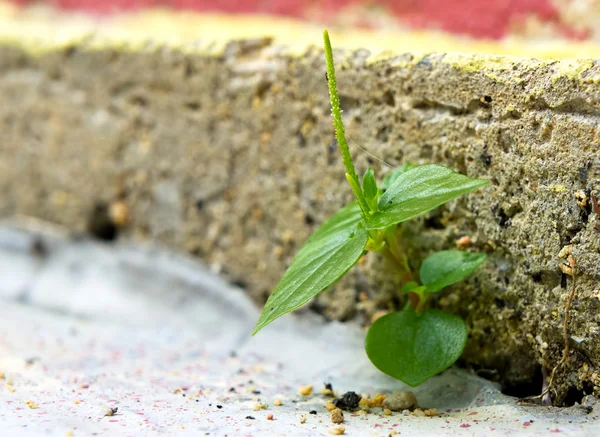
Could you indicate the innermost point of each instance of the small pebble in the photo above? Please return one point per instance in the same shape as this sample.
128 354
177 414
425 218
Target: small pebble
362 412
377 400
392 432
302 419
431 412
109 411
312 412
337 416
270 416
277 402
305 390
69 434
219 406
387 411
419 413
337 430
400 400
463 242
250 417
329 406
2 376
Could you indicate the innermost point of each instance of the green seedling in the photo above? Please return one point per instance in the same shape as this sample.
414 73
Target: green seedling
413 344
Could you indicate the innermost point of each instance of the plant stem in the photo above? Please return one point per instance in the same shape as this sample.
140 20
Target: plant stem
338 124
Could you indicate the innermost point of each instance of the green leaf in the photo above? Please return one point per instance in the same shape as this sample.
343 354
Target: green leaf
447 267
329 253
413 348
419 190
369 185
345 219
391 177
409 286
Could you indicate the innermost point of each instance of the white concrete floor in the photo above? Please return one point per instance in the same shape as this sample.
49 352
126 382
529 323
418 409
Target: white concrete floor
86 326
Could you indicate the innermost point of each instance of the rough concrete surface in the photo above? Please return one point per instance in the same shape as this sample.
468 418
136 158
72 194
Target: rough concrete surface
89 329
226 151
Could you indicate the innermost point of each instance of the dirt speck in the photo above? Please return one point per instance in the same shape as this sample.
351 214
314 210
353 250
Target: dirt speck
31 405
327 390
377 400
337 430
259 406
464 242
305 390
419 413
277 402
349 401
431 412
109 411
337 416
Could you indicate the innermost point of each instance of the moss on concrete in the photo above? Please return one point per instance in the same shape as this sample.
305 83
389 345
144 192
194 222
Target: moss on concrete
225 150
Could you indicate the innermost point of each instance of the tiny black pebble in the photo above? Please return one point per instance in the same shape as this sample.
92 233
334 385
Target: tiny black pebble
219 406
328 386
313 411
210 405
250 417
250 381
256 392
100 224
183 395
197 400
232 389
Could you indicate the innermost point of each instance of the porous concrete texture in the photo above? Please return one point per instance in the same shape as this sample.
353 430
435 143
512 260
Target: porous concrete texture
224 148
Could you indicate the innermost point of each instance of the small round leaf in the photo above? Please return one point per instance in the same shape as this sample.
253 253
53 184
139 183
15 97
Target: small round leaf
413 348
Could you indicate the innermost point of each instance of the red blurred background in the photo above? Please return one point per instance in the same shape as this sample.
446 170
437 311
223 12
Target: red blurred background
492 19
